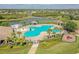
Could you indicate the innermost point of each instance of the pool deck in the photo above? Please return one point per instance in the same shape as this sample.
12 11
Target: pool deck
42 34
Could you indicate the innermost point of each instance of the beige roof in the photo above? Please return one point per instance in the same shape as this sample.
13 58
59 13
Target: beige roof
5 32
77 31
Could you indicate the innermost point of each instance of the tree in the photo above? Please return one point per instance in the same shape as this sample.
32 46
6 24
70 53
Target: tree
1 17
70 26
13 33
49 32
10 42
76 18
4 23
71 17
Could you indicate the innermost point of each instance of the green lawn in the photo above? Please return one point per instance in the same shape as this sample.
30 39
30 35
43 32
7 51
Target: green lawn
15 49
60 48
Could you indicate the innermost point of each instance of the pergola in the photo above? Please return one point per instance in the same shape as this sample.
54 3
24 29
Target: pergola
59 22
34 22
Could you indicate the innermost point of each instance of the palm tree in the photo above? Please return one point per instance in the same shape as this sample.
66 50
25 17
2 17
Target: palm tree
20 41
10 41
13 34
49 32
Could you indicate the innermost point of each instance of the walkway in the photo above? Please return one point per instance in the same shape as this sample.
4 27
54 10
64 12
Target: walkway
33 48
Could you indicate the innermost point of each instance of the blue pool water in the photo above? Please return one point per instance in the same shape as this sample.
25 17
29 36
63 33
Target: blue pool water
35 31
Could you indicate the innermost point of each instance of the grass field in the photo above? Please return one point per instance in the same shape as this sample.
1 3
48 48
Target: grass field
60 48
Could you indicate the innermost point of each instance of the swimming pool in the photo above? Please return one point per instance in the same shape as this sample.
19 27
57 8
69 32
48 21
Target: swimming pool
35 31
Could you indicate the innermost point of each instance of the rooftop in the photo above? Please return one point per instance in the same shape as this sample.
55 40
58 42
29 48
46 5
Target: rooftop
5 32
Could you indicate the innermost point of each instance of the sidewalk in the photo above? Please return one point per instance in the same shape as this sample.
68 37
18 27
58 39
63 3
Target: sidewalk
33 48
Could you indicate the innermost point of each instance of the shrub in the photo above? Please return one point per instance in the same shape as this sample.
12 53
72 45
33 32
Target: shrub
1 17
4 24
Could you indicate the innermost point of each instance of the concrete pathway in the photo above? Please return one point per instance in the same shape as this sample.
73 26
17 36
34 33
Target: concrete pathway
33 48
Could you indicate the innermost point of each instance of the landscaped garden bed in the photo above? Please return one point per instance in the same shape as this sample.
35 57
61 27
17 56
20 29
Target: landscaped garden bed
17 49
